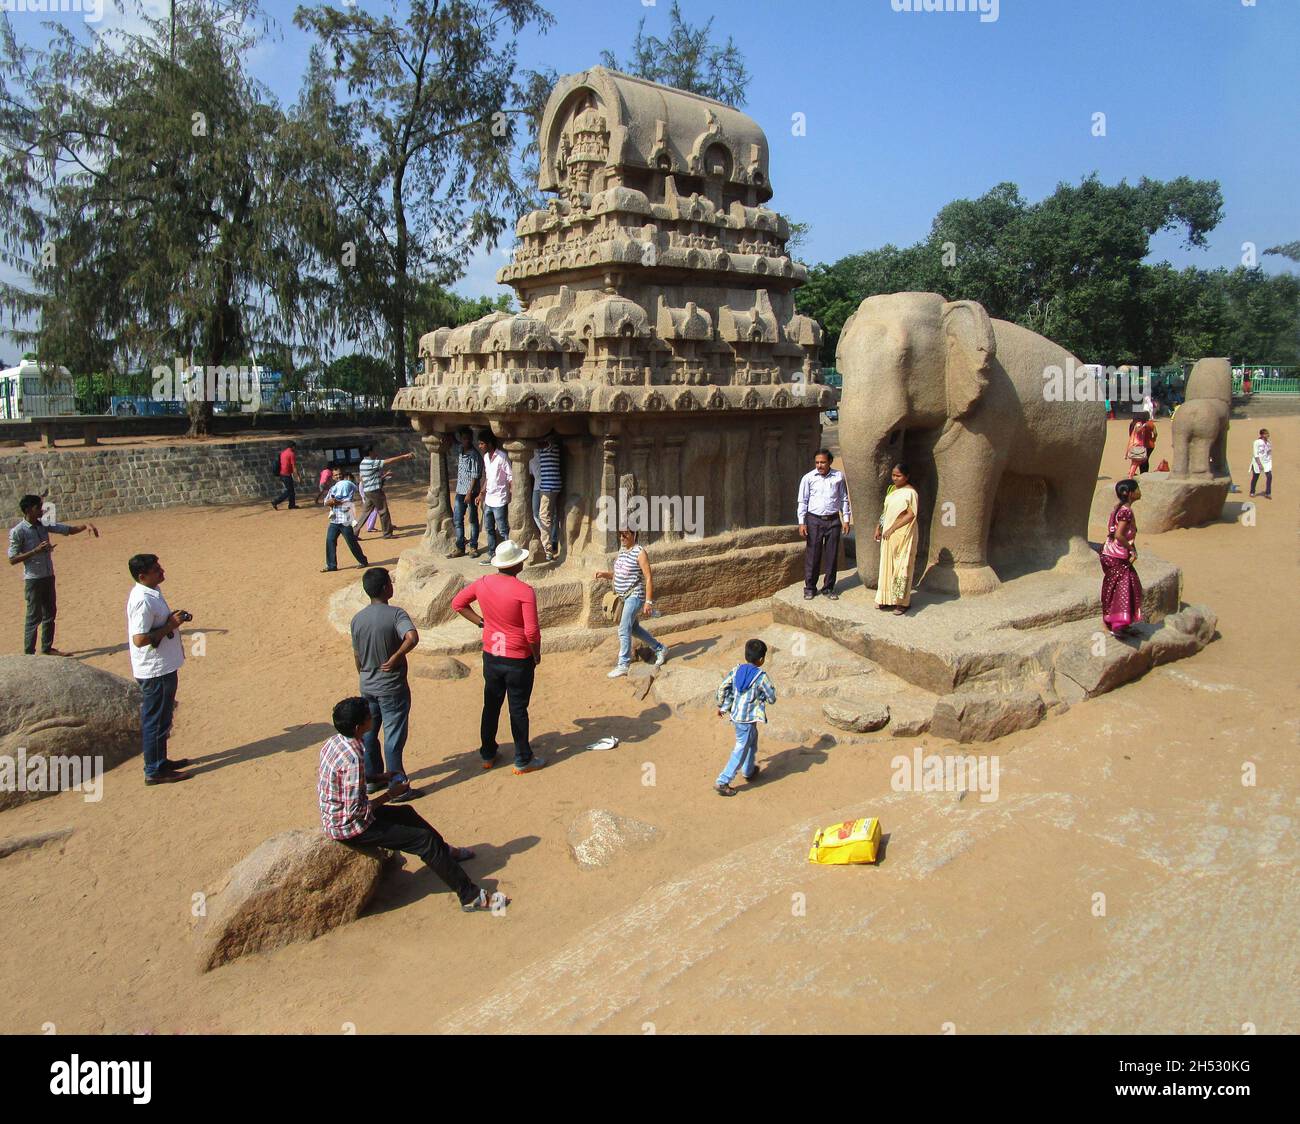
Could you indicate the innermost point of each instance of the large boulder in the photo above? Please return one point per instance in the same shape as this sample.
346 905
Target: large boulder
294 887
63 715
439 667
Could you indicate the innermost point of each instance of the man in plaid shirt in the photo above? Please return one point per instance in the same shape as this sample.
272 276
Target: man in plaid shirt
351 817
743 696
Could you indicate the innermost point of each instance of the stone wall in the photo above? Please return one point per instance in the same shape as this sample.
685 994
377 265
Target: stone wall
111 481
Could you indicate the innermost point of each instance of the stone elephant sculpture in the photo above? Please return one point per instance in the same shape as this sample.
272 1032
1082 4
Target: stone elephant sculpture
1200 427
1005 470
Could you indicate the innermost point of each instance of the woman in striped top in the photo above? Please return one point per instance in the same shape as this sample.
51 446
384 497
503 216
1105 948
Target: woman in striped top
634 583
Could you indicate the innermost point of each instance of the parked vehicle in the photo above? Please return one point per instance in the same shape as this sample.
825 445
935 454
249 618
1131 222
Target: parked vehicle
33 391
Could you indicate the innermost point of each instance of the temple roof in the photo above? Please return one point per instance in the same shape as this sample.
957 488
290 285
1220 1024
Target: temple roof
640 124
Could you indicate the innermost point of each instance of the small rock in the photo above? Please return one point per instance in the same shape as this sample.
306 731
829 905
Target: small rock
294 887
440 667
981 717
598 836
909 722
861 718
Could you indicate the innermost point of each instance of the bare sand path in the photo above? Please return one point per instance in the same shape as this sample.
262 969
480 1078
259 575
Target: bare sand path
981 915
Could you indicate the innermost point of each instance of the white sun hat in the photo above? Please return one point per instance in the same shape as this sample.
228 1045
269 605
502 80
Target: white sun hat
508 554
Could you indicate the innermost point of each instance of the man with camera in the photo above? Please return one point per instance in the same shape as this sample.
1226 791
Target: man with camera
153 639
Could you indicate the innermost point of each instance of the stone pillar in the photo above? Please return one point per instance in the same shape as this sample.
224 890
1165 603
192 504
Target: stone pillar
609 495
773 476
737 444
438 520
642 447
672 461
520 513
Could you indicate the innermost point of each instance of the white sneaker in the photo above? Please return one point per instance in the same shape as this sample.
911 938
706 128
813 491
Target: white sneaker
620 670
661 655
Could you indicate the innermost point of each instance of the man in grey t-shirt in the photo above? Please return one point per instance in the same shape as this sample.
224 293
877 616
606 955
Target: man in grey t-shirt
382 634
29 543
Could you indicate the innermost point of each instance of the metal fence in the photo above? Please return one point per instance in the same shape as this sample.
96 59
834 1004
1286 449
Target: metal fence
1266 380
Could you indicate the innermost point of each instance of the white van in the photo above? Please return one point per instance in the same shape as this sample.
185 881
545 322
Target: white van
30 391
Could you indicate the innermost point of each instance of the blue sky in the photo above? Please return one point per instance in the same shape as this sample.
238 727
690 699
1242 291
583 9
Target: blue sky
907 111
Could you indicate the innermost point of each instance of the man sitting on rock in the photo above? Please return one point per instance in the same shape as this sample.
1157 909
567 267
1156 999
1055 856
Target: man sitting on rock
351 817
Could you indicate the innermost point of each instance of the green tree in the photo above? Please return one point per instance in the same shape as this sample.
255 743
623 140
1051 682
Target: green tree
157 197
1070 266
687 60
417 120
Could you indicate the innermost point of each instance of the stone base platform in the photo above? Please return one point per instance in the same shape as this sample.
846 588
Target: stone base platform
1178 501
1005 637
1167 502
695 583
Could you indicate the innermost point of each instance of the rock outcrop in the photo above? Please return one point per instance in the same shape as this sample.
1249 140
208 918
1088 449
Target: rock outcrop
294 887
63 716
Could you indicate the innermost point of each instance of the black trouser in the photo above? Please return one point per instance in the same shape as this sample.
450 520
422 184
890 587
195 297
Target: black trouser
40 611
502 677
288 493
404 829
332 534
822 550
1254 479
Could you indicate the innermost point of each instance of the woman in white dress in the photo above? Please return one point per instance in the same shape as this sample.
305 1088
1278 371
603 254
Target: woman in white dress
896 533
1261 463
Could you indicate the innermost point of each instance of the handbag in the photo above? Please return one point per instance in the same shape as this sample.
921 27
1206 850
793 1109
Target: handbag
1138 453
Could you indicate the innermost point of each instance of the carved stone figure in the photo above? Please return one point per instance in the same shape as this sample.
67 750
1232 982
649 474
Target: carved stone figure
1201 422
1005 475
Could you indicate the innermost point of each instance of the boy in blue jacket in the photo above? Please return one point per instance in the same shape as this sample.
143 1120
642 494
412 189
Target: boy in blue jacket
743 696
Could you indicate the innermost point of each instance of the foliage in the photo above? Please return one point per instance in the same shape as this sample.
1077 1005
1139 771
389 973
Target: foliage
1072 267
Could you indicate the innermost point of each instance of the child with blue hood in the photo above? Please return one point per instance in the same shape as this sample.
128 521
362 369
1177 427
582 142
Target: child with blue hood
743 696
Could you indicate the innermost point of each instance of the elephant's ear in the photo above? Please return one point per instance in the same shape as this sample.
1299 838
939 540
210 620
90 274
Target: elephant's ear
971 350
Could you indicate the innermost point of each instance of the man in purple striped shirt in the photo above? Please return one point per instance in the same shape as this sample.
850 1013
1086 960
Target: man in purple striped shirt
824 515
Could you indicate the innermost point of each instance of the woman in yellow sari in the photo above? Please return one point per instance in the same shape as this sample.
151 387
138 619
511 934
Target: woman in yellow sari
896 533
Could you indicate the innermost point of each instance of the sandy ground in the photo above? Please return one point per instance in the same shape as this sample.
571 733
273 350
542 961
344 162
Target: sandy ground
983 915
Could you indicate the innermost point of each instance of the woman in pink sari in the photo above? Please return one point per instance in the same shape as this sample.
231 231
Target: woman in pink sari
1121 590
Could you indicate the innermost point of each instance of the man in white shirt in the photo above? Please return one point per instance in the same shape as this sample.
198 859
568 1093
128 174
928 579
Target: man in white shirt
1261 463
823 515
154 641
494 497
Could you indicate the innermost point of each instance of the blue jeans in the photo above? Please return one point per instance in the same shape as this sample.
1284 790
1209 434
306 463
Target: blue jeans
349 537
498 529
629 627
157 698
743 755
393 711
458 510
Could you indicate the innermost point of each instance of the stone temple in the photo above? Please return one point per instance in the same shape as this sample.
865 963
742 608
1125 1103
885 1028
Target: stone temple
659 342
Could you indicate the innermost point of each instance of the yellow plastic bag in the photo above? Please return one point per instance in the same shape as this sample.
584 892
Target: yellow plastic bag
853 841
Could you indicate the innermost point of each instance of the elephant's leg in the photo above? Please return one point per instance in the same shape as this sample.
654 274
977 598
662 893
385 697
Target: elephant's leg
1178 464
959 526
1219 454
1198 455
1069 504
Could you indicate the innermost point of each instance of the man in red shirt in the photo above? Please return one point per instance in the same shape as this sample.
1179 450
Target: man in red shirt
288 464
512 649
